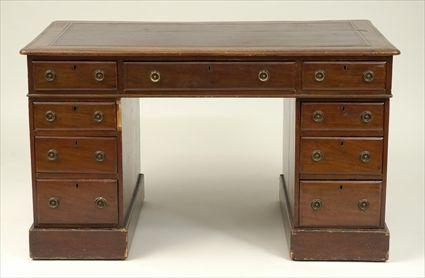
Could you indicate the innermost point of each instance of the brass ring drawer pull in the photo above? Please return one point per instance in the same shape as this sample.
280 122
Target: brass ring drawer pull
50 116
101 202
316 155
368 76
98 116
53 202
155 76
366 117
319 75
318 116
50 75
99 75
99 156
316 204
365 156
263 75
363 204
52 154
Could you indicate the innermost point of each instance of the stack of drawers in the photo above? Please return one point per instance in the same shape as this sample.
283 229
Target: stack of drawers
74 146
342 149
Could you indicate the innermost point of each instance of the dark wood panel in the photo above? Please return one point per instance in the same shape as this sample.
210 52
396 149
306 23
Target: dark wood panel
77 202
341 155
342 118
75 75
339 203
75 115
139 76
76 154
144 39
345 76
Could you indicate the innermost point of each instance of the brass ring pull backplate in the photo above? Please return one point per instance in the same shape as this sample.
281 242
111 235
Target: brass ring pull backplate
50 116
319 75
101 202
99 75
316 204
98 116
368 76
53 202
316 155
363 204
155 76
52 154
99 156
366 117
50 75
263 75
318 116
365 156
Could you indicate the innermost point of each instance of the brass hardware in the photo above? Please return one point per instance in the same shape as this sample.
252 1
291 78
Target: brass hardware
366 117
100 202
98 116
99 156
52 154
155 76
50 116
365 156
50 75
319 75
363 204
53 202
263 75
368 76
316 155
318 116
99 75
316 204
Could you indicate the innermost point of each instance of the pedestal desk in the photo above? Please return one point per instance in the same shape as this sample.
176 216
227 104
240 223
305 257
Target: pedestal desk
85 80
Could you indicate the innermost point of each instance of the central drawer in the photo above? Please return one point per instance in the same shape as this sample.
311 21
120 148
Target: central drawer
214 75
77 202
341 156
75 154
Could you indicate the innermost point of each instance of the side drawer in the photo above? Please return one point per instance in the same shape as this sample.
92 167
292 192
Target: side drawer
341 156
343 117
340 203
75 154
74 115
344 75
70 202
75 75
214 75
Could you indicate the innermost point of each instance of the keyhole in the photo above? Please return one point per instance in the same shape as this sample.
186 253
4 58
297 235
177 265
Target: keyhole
343 109
74 67
340 187
345 67
209 68
74 108
342 143
76 142
76 185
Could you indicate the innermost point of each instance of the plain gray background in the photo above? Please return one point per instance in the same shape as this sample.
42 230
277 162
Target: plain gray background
212 165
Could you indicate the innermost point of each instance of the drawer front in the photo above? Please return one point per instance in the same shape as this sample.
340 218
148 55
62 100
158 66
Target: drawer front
342 116
75 155
163 76
344 75
74 115
74 75
77 202
340 203
343 155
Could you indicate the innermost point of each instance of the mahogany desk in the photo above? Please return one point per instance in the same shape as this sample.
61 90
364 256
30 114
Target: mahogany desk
84 81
